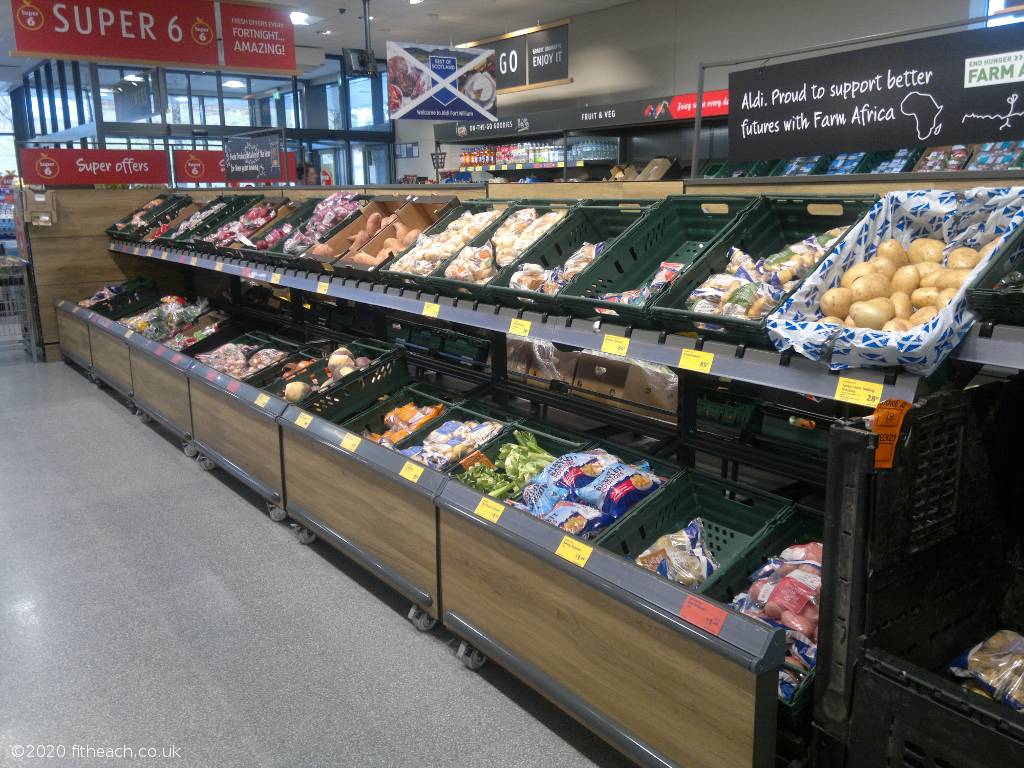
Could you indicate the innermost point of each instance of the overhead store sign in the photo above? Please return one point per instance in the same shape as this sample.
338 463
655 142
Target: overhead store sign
960 88
530 58
156 32
77 167
206 166
679 107
431 82
254 158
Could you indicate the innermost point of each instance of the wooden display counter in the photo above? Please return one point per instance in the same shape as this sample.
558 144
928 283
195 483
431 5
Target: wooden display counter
110 360
160 385
74 333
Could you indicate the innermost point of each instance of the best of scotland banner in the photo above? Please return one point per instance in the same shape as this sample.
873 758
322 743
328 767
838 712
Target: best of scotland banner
77 167
431 82
169 32
959 88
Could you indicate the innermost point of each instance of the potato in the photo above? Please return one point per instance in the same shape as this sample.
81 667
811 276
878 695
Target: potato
831 320
836 302
896 325
929 280
411 236
901 305
952 278
925 249
987 248
922 316
848 322
870 287
337 361
906 280
925 267
854 272
344 371
886 305
362 362
295 391
924 297
963 258
945 297
868 315
894 251
401 230
884 266
322 250
359 240
373 224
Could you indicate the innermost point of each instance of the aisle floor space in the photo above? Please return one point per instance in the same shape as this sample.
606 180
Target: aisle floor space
145 602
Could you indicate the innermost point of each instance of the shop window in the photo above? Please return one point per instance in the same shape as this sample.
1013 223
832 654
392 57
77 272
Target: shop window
1009 18
289 109
332 93
360 100
236 112
384 96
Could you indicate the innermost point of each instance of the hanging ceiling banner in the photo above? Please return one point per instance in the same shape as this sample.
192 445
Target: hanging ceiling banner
960 88
156 33
206 166
80 167
537 57
431 82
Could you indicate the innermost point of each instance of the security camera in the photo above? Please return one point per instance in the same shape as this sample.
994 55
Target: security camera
341 10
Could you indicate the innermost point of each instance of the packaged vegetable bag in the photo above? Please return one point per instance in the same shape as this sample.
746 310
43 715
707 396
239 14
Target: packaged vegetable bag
972 218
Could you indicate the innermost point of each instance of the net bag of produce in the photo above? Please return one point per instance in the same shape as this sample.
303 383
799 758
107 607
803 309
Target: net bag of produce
997 666
973 219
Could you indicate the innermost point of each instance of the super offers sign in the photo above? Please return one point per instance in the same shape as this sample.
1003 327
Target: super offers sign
171 32
951 89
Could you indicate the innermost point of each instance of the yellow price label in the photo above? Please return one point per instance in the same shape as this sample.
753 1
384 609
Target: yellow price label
350 442
519 166
149 253
194 260
519 327
615 345
303 420
489 509
129 333
164 255
576 552
579 163
430 309
275 278
322 286
696 360
858 392
561 164
412 471
219 267
262 400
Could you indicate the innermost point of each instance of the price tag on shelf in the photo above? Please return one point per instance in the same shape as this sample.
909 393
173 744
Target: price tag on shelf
579 163
178 357
615 345
275 279
182 258
129 333
702 614
561 164
149 253
519 166
887 423
412 471
262 399
575 552
163 254
430 309
858 392
350 442
219 267
76 310
323 286
303 420
194 261
489 509
696 360
518 327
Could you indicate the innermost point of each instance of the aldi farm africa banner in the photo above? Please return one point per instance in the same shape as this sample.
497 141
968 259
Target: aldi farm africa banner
960 88
431 82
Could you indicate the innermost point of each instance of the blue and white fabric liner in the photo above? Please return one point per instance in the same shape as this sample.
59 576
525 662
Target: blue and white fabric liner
972 218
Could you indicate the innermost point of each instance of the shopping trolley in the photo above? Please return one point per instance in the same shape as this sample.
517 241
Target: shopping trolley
16 328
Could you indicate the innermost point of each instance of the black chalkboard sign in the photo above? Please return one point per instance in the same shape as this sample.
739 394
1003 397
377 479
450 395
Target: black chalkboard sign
950 89
252 158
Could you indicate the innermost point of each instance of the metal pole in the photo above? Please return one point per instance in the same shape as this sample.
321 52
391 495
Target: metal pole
366 23
696 123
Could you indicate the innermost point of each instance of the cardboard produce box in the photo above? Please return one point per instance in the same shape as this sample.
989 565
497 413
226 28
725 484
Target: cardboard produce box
525 361
640 388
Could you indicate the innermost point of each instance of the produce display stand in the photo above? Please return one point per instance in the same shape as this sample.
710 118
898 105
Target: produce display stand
160 385
111 363
72 321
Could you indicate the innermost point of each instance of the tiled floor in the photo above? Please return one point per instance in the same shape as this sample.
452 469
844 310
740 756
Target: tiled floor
146 603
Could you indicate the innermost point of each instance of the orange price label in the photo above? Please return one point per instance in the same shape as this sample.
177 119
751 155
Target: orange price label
887 423
703 614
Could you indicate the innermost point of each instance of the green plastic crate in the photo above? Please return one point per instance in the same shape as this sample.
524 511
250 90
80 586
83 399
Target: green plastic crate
678 229
799 526
726 411
766 227
137 295
372 418
437 282
593 224
375 350
750 168
735 518
820 166
464 412
233 205
776 426
169 207
464 349
874 159
301 212
1000 305
356 391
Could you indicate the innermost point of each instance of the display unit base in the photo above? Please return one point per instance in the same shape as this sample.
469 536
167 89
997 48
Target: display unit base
110 360
74 338
161 391
237 472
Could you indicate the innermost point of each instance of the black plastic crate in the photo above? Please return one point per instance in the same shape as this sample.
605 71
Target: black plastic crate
371 420
386 374
168 206
233 204
995 304
137 295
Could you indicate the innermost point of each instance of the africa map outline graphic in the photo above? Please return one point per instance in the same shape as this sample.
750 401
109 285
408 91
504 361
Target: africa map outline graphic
925 110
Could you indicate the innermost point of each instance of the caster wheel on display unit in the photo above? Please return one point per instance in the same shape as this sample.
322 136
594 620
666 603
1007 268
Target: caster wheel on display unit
206 464
190 450
131 408
306 536
144 417
470 657
276 513
422 620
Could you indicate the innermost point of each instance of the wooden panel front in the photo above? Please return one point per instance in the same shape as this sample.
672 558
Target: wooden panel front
687 702
385 520
250 440
110 358
74 336
161 388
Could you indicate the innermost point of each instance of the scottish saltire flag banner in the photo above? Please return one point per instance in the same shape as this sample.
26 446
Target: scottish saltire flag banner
431 82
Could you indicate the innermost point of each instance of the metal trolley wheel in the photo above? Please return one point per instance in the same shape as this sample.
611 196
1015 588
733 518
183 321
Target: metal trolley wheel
275 512
306 536
422 620
470 657
206 463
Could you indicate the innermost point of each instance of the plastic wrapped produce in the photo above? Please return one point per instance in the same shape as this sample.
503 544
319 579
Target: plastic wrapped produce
403 421
253 219
107 292
274 236
996 666
533 277
172 316
240 360
510 245
473 265
682 556
431 250
327 213
667 272
138 219
197 218
516 464
586 491
786 592
508 232
190 337
451 441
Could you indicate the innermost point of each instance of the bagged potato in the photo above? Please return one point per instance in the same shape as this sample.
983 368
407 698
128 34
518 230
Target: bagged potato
997 667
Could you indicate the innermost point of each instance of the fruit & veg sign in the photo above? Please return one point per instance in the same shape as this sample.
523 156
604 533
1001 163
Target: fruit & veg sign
960 88
170 32
77 167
